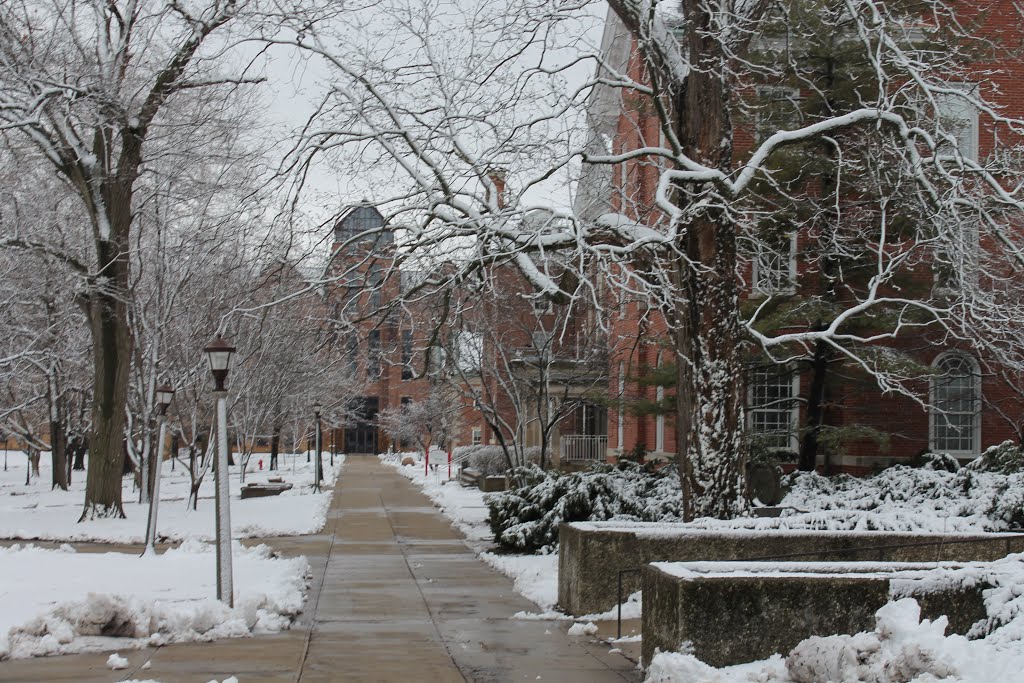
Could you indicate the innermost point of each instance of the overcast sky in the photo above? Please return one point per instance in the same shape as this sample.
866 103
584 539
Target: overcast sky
296 82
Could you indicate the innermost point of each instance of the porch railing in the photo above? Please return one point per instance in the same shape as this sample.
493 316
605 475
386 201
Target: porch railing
576 447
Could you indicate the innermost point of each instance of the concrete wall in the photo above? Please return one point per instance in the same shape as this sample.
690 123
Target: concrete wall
592 554
726 620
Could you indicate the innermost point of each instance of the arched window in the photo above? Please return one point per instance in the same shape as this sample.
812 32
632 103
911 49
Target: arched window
955 414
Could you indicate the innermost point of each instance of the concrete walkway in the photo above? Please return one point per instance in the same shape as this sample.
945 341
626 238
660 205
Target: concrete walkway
396 596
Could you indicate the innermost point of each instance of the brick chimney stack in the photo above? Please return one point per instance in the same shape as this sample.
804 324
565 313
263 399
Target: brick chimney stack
498 178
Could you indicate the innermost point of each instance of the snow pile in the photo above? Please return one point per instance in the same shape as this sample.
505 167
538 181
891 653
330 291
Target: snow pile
60 601
582 629
527 518
535 577
116 661
903 648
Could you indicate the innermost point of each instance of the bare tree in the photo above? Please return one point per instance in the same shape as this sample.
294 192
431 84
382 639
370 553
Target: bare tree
689 195
85 84
432 421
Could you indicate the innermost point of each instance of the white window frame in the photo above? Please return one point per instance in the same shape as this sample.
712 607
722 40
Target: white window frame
659 422
542 306
776 93
762 285
478 436
621 421
949 105
794 410
963 265
935 416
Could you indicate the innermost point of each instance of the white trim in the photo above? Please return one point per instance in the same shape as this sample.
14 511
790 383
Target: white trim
621 437
794 411
659 422
763 285
933 414
953 106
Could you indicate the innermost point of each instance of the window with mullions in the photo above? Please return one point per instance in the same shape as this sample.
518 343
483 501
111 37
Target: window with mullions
773 269
773 405
373 355
958 119
406 354
956 406
957 258
374 280
776 108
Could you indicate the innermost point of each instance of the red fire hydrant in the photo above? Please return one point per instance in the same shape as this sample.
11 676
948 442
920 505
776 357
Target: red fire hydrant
260 463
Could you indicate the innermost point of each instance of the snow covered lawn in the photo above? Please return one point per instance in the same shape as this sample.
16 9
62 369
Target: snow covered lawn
60 601
34 512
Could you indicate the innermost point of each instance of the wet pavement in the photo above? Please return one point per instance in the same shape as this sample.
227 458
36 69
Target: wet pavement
396 595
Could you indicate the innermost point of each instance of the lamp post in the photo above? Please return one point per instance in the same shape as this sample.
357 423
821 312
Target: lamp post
164 396
218 352
319 475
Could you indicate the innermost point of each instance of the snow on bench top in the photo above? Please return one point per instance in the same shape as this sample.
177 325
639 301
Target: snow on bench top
706 529
691 571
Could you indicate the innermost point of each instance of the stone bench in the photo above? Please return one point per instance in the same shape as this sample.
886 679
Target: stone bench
732 613
257 490
591 554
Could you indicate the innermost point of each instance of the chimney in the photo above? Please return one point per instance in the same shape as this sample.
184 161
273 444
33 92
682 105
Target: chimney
498 177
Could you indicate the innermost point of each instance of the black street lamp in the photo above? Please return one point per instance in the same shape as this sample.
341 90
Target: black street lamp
164 396
218 353
319 475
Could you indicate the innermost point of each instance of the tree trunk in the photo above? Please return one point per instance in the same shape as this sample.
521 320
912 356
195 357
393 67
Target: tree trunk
275 445
155 460
79 448
815 409
112 350
706 306
58 455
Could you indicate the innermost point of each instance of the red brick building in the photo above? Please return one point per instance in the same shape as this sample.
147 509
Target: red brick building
965 404
494 349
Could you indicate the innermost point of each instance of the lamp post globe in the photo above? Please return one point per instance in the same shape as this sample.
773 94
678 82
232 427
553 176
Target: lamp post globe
164 396
218 353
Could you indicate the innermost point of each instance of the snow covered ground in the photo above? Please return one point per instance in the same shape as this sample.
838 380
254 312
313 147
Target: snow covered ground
902 648
35 512
60 601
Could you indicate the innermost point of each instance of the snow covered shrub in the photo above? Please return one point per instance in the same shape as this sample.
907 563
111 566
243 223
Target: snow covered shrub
901 498
490 460
940 462
526 519
1006 458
